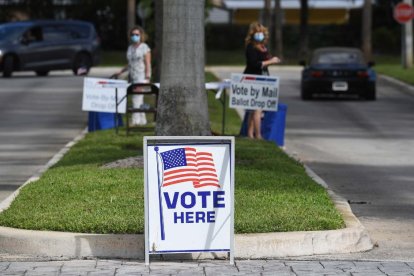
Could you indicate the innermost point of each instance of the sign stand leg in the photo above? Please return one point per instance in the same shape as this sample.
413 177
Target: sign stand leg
116 110
223 123
94 118
146 241
407 45
232 239
146 258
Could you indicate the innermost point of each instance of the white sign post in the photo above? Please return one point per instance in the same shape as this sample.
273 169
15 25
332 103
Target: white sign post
189 195
104 95
403 14
254 92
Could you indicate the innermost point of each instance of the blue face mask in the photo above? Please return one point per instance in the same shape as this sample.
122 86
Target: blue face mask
135 38
259 37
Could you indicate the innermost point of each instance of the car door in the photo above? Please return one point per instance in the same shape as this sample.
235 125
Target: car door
57 38
32 51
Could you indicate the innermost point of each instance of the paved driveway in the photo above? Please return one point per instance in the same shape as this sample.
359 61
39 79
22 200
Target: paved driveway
39 115
365 152
362 149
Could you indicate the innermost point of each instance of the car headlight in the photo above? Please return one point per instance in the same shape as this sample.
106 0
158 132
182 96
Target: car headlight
1 54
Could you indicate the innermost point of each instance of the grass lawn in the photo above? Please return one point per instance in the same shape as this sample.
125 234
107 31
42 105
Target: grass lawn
391 66
216 57
113 58
385 64
273 193
397 72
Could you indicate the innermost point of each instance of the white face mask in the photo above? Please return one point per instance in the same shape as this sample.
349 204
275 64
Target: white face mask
135 38
259 37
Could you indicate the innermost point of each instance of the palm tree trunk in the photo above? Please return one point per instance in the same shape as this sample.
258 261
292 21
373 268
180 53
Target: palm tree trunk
268 19
278 29
182 104
130 14
157 53
366 29
304 17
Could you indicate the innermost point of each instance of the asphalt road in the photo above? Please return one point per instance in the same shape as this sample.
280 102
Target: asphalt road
39 115
364 150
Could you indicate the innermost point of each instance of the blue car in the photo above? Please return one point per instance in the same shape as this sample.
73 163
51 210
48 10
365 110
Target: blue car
337 70
46 45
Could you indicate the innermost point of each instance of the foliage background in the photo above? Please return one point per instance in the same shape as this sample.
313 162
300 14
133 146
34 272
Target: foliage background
109 18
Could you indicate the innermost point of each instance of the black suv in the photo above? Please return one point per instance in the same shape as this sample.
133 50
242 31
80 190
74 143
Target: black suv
45 45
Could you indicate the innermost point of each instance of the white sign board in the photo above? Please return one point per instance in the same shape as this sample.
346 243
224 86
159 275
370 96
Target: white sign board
100 95
189 194
254 92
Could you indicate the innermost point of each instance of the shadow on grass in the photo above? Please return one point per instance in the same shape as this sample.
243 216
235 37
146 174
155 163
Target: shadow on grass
101 147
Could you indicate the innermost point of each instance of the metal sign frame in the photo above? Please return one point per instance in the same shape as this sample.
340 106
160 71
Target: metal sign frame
181 141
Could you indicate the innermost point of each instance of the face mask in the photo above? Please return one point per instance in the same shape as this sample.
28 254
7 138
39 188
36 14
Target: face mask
135 38
259 37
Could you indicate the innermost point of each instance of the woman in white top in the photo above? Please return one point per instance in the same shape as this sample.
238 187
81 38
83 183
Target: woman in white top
139 68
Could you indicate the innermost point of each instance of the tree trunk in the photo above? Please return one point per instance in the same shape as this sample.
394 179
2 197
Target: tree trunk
267 19
278 29
182 104
131 10
157 53
304 15
366 29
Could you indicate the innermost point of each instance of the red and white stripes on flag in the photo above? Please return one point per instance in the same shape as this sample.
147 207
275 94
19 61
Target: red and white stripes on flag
187 165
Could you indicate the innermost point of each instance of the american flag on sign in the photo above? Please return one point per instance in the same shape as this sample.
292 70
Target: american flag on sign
187 165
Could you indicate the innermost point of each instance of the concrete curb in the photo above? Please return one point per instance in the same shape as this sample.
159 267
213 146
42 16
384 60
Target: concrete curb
58 245
354 238
402 86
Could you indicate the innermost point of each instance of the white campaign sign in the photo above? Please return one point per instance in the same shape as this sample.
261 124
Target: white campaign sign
100 95
189 188
254 92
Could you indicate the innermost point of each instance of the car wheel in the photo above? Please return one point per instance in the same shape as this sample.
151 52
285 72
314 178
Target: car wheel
305 94
42 73
8 66
82 64
371 94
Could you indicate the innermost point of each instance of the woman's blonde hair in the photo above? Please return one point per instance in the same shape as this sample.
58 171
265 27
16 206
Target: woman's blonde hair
256 27
144 35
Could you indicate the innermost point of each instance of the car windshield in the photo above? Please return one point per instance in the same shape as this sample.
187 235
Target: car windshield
338 58
7 32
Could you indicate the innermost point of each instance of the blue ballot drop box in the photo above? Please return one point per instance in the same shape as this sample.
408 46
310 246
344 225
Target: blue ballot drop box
103 120
273 125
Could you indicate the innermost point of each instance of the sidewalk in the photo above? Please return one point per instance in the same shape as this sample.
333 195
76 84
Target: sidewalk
214 268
